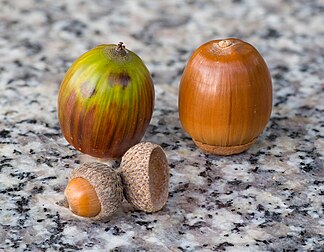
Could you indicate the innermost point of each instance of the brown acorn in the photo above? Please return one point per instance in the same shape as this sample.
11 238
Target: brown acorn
106 101
225 96
94 191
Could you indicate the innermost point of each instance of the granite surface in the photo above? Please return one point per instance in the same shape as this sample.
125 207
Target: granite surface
270 198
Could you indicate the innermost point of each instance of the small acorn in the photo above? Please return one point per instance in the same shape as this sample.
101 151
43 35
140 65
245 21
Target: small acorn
94 191
145 175
106 101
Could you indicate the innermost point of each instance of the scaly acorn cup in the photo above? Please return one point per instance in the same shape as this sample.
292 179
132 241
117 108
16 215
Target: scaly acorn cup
106 101
94 191
145 175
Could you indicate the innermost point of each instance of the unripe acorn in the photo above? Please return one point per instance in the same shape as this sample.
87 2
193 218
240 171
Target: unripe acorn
106 101
225 96
94 191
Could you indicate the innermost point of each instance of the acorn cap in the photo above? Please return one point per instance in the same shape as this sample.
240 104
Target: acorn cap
145 175
107 184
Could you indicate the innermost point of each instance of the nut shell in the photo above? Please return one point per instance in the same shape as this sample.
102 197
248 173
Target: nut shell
82 198
106 101
225 96
145 175
107 184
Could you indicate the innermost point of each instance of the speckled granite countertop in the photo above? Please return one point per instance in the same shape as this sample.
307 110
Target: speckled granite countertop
270 198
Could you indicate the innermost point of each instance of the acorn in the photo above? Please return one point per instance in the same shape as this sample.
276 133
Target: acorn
94 191
106 101
145 175
225 96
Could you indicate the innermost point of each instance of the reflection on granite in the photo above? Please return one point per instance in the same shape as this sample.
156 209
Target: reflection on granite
267 199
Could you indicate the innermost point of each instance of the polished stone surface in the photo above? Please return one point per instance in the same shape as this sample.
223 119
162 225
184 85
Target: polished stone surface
270 198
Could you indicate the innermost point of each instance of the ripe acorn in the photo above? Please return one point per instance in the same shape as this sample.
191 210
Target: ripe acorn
225 96
145 175
106 101
94 191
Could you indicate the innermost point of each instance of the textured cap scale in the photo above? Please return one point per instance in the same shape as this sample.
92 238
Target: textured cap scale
107 184
145 175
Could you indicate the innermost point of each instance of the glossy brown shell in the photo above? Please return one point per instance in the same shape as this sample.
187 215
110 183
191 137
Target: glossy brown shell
225 96
107 184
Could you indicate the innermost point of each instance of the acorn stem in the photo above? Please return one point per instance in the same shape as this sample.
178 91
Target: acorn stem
121 49
224 43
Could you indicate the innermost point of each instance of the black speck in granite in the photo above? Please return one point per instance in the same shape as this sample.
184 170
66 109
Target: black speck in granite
75 27
48 161
149 31
31 47
146 224
49 178
222 246
37 189
115 230
17 152
196 225
22 205
271 33
4 134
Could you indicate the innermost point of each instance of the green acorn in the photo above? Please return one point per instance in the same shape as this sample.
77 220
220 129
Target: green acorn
106 101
